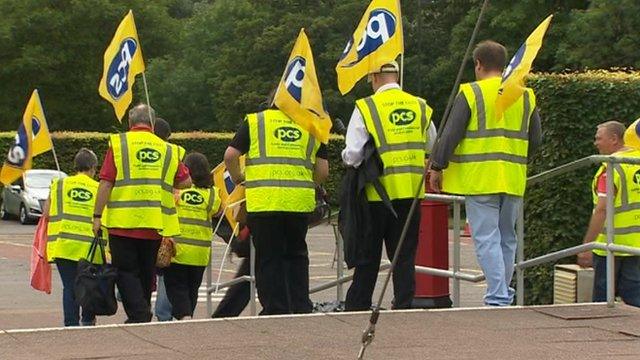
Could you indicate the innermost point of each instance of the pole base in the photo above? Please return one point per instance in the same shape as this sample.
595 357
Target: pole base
431 303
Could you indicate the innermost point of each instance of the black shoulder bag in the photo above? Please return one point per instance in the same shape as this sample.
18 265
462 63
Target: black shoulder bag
95 283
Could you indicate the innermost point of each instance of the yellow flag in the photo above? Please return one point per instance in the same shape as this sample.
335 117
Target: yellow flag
514 75
122 62
632 135
41 141
21 151
378 40
229 192
299 94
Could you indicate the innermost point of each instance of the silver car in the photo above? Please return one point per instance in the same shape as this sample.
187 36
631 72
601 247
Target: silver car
26 197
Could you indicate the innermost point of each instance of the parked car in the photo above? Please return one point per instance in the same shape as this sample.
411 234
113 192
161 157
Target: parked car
25 198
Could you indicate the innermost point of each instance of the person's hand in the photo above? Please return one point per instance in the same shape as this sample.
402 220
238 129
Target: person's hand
585 259
97 224
435 180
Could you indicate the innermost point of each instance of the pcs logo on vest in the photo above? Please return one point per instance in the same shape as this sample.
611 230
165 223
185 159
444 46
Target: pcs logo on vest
147 155
117 75
192 197
380 28
288 134
294 77
636 178
401 117
81 195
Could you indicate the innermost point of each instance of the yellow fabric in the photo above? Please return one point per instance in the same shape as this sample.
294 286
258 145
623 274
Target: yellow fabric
142 195
299 94
32 139
492 157
377 40
196 207
626 179
70 230
398 122
279 166
122 62
229 192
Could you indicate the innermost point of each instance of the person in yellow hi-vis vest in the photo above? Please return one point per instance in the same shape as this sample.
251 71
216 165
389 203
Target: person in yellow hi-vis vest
69 209
485 159
401 128
626 179
284 162
137 179
196 206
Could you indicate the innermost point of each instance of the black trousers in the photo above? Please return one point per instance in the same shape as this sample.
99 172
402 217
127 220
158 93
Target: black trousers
135 260
182 283
386 227
237 296
282 262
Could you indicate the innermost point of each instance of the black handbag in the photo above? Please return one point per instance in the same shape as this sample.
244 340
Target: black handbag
95 283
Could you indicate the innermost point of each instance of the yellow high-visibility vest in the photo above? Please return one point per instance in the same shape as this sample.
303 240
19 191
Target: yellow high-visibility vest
280 163
398 122
626 178
196 207
70 229
142 195
492 157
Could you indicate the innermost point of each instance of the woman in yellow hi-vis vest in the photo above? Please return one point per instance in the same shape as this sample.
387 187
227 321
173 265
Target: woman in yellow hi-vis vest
196 206
69 209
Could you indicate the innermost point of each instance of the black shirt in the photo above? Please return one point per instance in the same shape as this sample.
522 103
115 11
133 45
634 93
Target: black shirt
241 142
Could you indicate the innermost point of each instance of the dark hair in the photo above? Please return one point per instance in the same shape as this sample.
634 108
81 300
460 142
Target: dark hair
162 129
491 55
85 160
200 170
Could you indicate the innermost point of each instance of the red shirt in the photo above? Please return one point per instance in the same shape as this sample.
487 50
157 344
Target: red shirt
108 173
601 186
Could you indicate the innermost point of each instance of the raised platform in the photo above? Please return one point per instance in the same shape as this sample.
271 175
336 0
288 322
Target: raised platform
590 331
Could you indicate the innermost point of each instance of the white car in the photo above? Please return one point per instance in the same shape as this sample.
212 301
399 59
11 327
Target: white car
25 198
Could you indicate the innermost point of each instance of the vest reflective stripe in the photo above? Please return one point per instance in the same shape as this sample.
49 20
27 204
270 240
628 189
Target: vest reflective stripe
400 142
626 204
142 195
194 243
279 170
493 151
70 229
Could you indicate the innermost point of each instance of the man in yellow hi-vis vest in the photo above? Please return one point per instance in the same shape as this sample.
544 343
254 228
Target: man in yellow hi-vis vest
626 179
485 159
69 209
137 179
284 163
400 125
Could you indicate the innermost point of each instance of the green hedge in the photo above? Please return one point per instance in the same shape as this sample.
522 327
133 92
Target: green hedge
212 145
557 212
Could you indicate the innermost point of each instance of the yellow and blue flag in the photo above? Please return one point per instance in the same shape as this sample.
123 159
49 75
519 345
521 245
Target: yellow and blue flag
514 75
299 94
32 138
378 40
229 192
122 62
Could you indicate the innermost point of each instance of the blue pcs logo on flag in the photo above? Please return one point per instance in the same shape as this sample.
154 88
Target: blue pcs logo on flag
118 71
229 185
381 26
514 63
20 148
35 127
294 77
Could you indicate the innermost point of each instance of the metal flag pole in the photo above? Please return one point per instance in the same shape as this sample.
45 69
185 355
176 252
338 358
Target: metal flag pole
146 92
369 333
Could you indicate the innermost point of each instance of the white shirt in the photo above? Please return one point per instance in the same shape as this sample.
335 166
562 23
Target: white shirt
357 134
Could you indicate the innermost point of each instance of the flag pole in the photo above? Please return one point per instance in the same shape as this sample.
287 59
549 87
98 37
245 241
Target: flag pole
403 49
146 92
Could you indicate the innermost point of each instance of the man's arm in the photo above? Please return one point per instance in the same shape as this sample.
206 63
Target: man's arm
321 171
232 162
355 139
104 192
535 132
596 224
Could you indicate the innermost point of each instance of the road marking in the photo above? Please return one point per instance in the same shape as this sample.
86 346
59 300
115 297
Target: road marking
15 244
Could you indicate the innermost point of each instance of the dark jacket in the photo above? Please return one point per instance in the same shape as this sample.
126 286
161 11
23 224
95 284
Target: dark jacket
354 220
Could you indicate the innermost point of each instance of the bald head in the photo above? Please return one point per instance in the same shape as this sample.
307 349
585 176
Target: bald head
139 114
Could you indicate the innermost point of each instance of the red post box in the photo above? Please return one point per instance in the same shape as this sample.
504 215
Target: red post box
433 251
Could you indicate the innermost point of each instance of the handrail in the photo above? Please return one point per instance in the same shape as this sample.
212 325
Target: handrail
578 164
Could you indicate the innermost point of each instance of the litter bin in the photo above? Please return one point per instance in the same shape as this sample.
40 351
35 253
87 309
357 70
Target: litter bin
433 251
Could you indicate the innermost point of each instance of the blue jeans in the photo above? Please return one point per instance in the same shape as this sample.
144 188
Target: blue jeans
626 278
493 221
163 306
68 270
